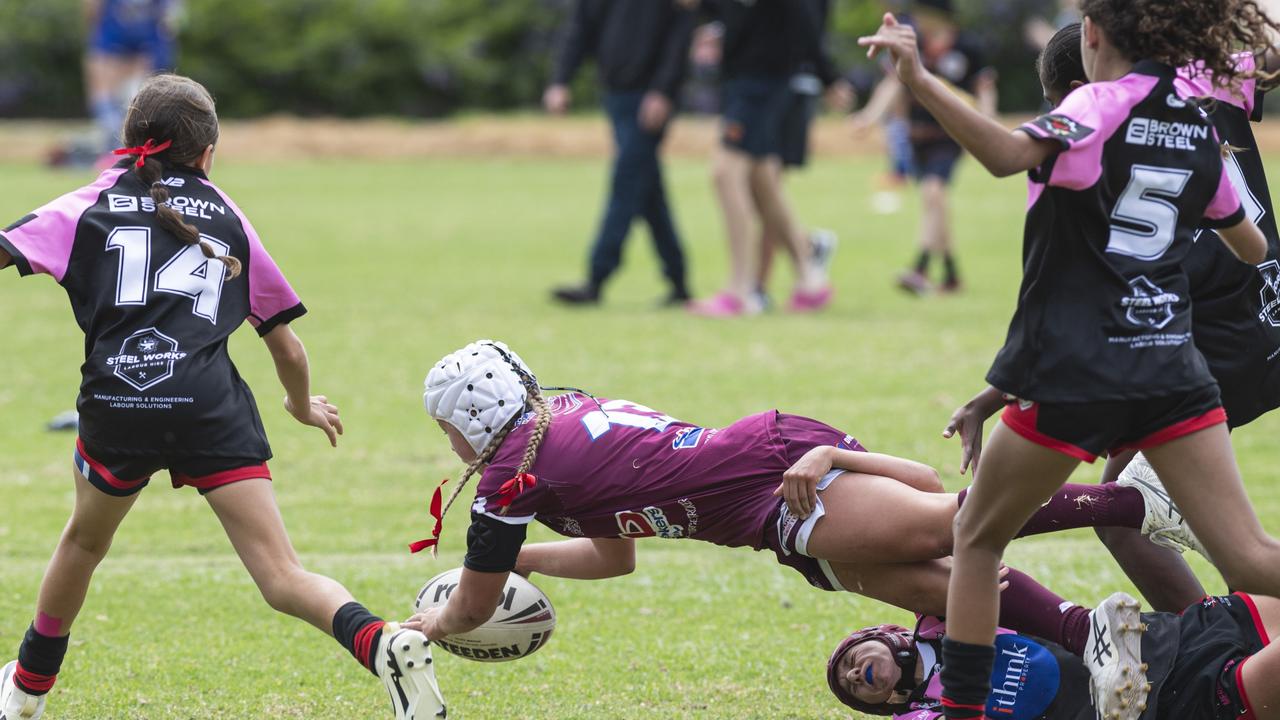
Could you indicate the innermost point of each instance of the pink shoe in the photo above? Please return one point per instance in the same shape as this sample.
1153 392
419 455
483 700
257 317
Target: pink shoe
722 304
914 283
810 301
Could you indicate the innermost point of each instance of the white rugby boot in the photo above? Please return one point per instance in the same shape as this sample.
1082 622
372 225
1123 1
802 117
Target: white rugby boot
14 703
405 666
1113 654
1163 524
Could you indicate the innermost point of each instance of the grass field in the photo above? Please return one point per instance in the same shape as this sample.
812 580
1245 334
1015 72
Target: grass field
402 262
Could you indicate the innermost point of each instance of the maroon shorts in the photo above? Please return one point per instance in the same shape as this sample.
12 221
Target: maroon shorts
122 476
784 533
1088 430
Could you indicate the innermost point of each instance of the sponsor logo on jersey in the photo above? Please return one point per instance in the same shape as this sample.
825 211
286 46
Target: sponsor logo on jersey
687 438
1149 132
649 522
146 359
569 526
1024 680
1173 101
1061 126
1270 293
1149 306
191 207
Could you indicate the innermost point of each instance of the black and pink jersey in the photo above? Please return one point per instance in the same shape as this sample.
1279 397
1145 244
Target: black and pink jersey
156 313
1236 313
1104 309
617 469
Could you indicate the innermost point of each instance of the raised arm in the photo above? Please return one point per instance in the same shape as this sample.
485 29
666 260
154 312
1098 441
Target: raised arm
1001 151
579 558
294 371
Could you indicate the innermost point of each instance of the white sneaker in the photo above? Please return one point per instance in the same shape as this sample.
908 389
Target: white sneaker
14 703
823 244
1163 524
1113 654
405 666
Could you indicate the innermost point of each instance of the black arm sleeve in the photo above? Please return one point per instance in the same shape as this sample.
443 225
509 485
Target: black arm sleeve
575 45
492 545
674 57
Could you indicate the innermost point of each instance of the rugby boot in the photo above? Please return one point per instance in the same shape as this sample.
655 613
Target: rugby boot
1163 524
15 704
1113 654
405 666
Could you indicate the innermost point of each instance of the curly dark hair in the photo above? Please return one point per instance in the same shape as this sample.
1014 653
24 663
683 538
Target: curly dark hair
1061 64
1180 32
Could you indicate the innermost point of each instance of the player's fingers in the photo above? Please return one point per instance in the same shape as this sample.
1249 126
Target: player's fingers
337 424
330 433
949 431
778 492
812 497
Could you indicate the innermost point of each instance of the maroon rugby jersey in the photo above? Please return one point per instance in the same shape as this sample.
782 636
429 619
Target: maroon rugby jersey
618 469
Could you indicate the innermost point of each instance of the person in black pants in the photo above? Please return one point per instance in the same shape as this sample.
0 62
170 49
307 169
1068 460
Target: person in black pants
641 48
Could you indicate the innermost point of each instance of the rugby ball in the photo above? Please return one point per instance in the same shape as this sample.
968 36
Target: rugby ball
522 623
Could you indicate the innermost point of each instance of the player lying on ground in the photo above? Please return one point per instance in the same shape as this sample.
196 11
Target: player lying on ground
1213 661
1235 314
1099 351
161 267
605 472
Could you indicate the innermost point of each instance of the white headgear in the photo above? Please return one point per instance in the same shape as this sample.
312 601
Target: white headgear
478 390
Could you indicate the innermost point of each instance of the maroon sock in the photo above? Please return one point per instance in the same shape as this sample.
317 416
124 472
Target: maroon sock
1028 607
1080 506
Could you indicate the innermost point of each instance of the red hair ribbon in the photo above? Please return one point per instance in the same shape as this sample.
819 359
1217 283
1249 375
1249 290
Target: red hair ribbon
437 502
513 487
143 150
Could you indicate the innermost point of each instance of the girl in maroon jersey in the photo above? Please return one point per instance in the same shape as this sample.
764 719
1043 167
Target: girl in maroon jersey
605 472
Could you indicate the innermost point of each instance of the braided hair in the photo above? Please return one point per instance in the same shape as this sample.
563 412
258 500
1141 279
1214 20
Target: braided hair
180 111
1060 63
537 403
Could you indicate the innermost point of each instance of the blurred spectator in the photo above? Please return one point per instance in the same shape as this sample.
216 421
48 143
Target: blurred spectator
702 91
641 48
956 59
1039 30
811 76
764 42
127 41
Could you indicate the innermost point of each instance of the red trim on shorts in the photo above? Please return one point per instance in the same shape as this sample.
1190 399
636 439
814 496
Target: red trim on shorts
217 480
106 474
1023 422
33 682
1257 617
1244 694
1216 416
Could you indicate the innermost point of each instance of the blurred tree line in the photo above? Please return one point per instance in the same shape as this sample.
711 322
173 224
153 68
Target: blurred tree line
418 58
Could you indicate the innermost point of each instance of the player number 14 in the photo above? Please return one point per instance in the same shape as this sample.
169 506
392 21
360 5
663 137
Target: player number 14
189 273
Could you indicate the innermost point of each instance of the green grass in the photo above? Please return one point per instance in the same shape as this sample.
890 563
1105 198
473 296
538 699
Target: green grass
400 263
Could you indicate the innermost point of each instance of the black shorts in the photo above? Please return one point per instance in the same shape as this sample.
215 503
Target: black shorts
1088 430
1216 637
122 476
936 159
754 109
795 129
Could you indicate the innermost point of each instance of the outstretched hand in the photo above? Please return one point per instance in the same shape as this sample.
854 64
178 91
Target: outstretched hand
318 413
900 42
968 422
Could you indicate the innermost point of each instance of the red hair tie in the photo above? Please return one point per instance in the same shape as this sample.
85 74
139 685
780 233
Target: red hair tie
437 502
513 487
143 150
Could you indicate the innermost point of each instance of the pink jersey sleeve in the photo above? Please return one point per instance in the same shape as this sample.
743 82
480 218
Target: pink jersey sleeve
42 241
272 301
919 715
1195 81
1225 209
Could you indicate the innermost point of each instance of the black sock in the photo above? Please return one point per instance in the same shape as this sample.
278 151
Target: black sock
949 268
966 679
922 263
360 632
39 660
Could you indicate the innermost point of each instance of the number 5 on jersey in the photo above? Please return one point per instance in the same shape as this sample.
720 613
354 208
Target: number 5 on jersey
189 273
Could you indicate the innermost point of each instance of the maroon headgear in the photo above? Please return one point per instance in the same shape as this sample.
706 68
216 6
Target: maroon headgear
901 643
